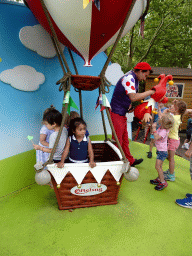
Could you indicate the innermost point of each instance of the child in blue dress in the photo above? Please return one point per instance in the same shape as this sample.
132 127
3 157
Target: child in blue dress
44 140
78 145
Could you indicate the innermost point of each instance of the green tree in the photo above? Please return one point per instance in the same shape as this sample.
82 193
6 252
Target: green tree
167 37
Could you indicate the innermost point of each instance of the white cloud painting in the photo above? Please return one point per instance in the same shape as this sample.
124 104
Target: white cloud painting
37 39
114 73
23 77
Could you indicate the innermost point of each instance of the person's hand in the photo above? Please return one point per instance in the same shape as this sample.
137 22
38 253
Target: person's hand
166 111
188 153
60 165
154 126
130 109
92 164
147 117
37 147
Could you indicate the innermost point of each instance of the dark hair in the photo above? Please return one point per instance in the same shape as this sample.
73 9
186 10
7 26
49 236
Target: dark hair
53 116
47 110
73 114
74 123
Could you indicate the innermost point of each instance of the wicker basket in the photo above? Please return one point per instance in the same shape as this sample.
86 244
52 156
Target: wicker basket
67 200
86 83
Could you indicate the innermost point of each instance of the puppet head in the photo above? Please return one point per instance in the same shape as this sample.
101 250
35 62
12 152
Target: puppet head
160 89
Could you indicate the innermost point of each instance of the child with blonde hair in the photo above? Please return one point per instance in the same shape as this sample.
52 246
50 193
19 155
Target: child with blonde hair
177 109
166 122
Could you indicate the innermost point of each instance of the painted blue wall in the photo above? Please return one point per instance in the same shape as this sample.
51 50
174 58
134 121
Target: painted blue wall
21 112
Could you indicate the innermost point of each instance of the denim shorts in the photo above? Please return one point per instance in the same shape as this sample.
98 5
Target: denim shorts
161 155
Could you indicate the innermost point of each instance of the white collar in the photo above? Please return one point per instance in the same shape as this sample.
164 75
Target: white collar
84 138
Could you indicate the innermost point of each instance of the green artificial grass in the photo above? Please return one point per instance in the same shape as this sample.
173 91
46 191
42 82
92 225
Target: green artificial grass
144 222
17 172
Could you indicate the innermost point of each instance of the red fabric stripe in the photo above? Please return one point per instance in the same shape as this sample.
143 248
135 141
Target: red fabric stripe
106 22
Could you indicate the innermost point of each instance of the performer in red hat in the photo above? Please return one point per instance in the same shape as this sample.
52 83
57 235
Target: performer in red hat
126 91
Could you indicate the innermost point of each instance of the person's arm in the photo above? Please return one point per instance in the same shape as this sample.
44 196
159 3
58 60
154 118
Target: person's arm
154 132
38 147
64 155
188 111
188 153
43 140
140 96
91 155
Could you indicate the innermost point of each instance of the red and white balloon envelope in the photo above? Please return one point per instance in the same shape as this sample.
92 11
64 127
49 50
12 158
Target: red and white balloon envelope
87 31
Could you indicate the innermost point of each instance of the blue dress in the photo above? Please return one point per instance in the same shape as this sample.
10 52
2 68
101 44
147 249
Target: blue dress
78 150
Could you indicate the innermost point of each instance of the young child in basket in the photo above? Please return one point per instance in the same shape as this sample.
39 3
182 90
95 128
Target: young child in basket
44 140
161 136
177 109
52 120
78 145
73 114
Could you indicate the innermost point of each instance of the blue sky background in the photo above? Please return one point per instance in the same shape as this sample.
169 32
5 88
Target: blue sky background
20 111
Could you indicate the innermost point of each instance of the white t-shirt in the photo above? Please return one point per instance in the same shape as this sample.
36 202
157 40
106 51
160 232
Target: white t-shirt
61 144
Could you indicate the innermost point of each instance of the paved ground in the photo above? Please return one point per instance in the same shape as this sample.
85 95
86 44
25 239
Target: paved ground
180 152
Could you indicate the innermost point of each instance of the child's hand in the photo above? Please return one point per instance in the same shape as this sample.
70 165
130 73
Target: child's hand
166 111
37 147
147 117
92 164
154 125
188 153
60 165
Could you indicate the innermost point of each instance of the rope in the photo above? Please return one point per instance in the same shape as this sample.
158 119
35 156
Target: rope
79 91
103 119
65 81
105 82
102 74
54 33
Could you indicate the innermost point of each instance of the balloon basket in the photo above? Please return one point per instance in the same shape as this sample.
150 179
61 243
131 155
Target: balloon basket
90 192
86 83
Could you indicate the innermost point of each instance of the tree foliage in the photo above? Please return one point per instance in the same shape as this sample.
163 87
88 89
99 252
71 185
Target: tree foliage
167 38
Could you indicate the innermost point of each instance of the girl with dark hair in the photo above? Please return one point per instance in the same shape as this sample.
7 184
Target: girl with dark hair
78 145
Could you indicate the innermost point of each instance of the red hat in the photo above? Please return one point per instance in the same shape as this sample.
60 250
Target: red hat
143 66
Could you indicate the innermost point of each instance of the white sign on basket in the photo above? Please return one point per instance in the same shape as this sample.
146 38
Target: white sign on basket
88 189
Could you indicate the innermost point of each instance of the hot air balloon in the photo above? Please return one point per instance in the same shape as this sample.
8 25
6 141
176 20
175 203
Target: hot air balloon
87 31
88 27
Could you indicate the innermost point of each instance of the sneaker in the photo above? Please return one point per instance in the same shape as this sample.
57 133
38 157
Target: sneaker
186 202
137 161
186 146
149 154
166 172
155 181
188 195
161 185
169 176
